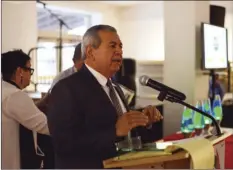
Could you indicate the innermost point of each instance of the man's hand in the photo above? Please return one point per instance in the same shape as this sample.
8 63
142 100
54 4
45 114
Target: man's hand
153 114
130 120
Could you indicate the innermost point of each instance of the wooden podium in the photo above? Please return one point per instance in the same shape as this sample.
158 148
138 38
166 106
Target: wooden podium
178 160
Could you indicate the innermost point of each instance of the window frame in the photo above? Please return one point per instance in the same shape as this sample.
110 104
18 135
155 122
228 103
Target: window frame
66 40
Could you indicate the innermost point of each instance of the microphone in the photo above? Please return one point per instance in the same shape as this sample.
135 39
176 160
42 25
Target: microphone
146 81
173 95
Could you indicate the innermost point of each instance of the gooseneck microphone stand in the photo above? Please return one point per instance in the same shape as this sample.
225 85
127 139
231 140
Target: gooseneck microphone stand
164 96
61 23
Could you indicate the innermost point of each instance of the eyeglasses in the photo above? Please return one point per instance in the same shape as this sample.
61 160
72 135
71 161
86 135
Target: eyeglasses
29 69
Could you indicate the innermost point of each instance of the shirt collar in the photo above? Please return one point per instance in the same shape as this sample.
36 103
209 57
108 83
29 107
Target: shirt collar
11 83
75 69
100 78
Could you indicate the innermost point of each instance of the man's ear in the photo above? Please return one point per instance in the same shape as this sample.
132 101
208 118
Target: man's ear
89 52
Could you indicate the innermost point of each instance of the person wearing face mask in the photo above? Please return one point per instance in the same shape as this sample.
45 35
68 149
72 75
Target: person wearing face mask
87 112
20 116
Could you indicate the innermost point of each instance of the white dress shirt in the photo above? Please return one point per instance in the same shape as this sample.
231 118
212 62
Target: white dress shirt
17 108
103 82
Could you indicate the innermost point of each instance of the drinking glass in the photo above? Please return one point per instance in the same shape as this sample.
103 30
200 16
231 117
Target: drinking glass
187 127
198 119
217 108
207 109
217 111
129 144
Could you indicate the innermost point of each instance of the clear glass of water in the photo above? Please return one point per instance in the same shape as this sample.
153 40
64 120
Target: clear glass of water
129 144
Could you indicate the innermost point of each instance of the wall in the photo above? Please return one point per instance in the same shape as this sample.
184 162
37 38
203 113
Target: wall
201 81
229 26
179 64
19 28
141 30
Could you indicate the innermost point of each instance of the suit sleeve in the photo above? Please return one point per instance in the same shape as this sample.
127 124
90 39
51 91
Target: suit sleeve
67 125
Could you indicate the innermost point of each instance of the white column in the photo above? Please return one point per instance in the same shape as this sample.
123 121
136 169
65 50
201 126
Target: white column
182 20
19 25
229 26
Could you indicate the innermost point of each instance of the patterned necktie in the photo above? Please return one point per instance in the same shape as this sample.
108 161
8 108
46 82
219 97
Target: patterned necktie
116 103
114 98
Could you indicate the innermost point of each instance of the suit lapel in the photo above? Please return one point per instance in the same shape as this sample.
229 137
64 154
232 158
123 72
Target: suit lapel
96 88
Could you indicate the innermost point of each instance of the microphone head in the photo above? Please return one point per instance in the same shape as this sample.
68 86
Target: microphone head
143 80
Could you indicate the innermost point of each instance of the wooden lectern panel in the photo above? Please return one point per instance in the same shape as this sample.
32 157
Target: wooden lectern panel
178 164
180 160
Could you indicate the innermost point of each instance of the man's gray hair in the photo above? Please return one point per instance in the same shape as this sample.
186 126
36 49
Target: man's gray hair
92 38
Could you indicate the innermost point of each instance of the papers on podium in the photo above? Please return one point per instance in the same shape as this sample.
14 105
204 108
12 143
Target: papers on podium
200 150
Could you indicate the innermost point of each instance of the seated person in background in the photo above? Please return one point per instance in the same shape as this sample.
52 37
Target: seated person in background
218 90
18 149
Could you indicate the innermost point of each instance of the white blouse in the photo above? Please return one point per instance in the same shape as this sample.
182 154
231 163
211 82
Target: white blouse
17 108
